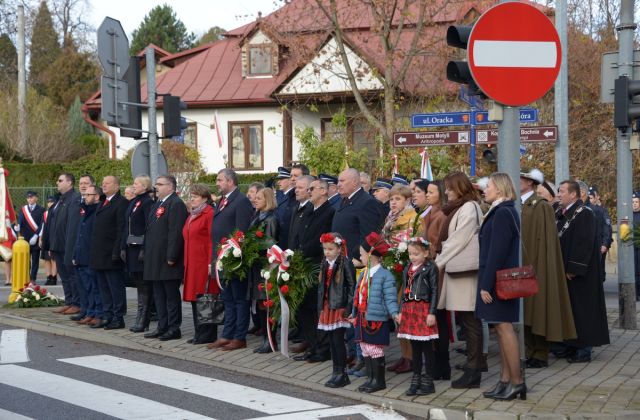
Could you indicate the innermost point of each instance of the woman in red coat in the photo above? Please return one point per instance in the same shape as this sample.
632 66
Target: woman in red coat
197 256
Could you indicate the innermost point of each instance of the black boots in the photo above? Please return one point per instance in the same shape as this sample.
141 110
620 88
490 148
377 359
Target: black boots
421 385
51 281
416 381
470 379
369 370
264 348
339 378
377 379
144 307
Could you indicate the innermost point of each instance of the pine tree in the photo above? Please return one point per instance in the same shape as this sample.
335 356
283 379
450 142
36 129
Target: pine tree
8 62
72 74
76 125
162 28
45 49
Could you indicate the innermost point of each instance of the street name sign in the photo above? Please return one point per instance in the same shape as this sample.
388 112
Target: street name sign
540 134
441 119
514 53
430 138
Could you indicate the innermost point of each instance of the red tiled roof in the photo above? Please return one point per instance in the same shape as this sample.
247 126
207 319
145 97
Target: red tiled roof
211 75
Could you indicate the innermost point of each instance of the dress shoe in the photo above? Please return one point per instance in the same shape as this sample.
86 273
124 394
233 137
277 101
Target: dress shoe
86 320
154 334
577 358
265 349
170 335
470 379
404 367
533 363
138 328
77 317
512 392
339 381
115 325
253 330
218 343
498 389
303 357
300 348
191 340
72 311
103 323
235 345
318 358
464 366
61 309
94 321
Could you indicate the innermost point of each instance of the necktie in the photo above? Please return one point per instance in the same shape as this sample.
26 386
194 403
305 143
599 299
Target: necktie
564 211
223 203
345 202
106 201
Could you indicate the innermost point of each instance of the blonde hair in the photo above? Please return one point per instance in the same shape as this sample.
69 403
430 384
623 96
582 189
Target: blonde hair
145 181
504 184
269 198
402 190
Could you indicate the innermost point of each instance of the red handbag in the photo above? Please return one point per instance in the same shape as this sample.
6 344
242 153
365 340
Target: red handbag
517 282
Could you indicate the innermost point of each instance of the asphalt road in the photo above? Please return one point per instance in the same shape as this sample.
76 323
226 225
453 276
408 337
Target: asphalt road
65 378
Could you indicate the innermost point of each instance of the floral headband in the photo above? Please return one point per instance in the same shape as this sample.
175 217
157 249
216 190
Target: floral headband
420 241
330 238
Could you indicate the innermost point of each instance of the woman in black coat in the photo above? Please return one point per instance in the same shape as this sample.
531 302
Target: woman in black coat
499 249
132 248
265 219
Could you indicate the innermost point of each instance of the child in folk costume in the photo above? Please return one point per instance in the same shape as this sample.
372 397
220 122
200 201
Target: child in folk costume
418 316
335 299
375 302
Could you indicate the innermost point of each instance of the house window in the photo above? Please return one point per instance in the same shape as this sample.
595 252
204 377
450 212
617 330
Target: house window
246 145
260 60
328 131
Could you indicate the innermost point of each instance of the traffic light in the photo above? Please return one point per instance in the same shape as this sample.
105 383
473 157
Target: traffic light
625 110
174 123
458 71
132 77
489 156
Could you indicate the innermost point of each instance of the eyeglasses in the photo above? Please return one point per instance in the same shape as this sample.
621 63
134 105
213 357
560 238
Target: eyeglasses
87 195
158 184
310 189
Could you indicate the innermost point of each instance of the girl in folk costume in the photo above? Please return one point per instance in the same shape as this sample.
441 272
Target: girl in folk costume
7 235
375 302
399 226
418 316
335 300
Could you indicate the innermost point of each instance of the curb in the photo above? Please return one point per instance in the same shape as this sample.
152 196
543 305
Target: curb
422 411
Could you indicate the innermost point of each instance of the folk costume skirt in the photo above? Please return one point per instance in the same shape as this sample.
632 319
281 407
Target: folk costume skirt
371 332
413 322
332 319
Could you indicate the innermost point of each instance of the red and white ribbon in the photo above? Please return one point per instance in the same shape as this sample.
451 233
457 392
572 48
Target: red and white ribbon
395 163
229 246
27 215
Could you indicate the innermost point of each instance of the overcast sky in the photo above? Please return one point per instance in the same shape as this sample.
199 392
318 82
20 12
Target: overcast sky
197 15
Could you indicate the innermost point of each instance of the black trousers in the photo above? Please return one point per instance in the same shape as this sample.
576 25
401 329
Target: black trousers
442 343
203 333
473 330
35 262
308 316
420 349
338 347
166 294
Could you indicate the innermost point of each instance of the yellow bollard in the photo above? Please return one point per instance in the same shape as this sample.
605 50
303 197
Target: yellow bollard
19 267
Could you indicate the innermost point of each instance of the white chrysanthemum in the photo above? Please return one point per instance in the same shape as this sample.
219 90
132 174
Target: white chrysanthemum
266 275
402 246
25 300
285 276
236 252
37 296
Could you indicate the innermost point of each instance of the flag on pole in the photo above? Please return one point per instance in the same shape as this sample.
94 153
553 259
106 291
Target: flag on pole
218 132
395 163
425 167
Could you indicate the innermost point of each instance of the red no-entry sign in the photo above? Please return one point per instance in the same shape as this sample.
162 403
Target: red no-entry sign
514 53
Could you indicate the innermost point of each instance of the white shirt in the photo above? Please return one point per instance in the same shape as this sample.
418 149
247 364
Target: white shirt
569 206
526 196
302 204
373 270
110 197
354 193
331 263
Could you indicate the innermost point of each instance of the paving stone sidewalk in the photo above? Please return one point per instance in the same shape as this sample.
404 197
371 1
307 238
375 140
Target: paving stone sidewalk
608 387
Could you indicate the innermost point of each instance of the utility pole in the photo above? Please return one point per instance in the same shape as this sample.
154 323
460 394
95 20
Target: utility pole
626 279
22 85
561 98
151 109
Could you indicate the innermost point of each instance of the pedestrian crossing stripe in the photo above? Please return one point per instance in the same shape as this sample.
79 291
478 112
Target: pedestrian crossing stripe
365 410
93 397
13 346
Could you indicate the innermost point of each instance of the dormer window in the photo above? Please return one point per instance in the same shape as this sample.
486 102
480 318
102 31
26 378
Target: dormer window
260 60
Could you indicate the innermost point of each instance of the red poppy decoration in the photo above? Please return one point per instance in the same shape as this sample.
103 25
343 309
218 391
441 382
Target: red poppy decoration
398 268
138 203
260 287
284 289
269 287
259 233
159 212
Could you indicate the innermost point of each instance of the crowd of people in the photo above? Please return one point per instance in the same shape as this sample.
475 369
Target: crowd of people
458 235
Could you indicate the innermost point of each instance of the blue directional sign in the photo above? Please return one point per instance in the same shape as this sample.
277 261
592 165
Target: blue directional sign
473 101
440 119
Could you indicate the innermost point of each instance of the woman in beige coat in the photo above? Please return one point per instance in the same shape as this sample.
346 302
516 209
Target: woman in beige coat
463 217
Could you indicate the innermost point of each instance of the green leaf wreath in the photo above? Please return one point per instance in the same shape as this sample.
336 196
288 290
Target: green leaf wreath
240 251
292 281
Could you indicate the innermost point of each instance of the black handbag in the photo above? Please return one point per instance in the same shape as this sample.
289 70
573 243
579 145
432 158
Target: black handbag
135 239
209 308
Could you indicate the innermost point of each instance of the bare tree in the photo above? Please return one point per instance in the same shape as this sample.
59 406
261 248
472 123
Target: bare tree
69 20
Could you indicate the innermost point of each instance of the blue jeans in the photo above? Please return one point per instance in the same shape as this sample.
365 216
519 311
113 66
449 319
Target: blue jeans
113 293
69 281
89 282
236 310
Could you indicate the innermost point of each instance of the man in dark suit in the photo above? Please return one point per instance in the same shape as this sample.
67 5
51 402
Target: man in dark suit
580 246
314 223
57 241
358 215
283 183
234 211
164 257
105 254
303 207
332 193
30 220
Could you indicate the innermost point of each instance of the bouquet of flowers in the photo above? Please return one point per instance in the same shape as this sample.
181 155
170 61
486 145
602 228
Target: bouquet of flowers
287 277
238 252
396 259
34 296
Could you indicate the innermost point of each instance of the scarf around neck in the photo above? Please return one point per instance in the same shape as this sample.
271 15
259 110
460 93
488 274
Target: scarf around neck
450 209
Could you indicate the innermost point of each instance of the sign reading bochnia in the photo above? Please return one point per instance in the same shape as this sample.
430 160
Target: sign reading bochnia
514 53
